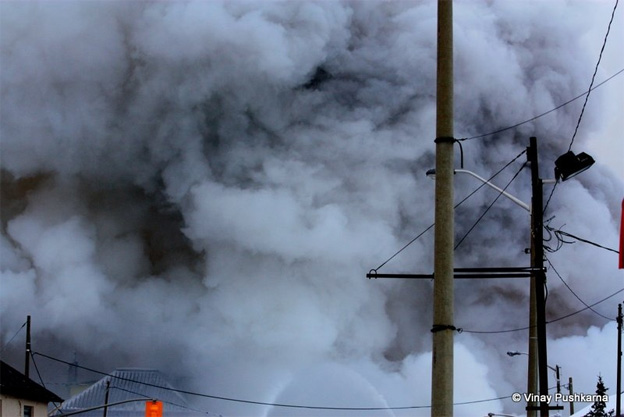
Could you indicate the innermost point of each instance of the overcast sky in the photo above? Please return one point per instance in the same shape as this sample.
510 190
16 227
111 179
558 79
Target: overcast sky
201 187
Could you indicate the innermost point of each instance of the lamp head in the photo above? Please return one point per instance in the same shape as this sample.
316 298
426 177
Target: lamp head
569 164
514 353
431 173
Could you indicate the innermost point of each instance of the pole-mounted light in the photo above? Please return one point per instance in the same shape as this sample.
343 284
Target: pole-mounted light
568 165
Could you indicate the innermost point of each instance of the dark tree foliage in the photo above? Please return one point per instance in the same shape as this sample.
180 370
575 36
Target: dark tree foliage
599 406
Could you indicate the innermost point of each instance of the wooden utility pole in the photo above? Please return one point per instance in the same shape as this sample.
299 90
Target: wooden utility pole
443 290
532 363
27 355
533 345
537 236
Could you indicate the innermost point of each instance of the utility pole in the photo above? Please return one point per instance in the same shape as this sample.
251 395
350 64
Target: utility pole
27 355
571 391
106 397
537 236
532 363
618 398
443 290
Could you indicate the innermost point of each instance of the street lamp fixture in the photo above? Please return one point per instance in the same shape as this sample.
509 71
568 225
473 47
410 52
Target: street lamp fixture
555 369
431 174
568 165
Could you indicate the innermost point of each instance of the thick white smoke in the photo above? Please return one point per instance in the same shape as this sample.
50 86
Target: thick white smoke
201 187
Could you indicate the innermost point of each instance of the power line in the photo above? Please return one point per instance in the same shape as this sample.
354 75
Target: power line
32 357
588 307
262 402
497 331
542 114
549 321
405 247
37 369
604 43
575 294
552 191
558 233
14 336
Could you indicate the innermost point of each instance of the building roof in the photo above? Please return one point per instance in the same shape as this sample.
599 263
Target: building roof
15 384
128 384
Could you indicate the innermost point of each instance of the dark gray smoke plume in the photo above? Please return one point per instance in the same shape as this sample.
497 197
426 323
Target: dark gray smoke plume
201 187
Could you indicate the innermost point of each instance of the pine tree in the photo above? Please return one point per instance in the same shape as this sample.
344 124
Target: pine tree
598 408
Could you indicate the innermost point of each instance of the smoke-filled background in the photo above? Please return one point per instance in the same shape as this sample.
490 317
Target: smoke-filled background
201 187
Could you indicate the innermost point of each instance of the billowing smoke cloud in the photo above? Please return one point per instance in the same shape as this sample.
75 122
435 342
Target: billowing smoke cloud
201 187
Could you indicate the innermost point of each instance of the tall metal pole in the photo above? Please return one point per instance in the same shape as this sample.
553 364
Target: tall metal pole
618 398
537 235
443 297
27 356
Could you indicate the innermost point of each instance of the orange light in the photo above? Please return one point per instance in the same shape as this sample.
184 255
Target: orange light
153 409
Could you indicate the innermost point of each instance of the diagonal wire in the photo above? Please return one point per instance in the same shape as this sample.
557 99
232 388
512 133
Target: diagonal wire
604 43
32 357
558 233
489 207
575 294
549 321
586 308
14 336
405 247
552 191
541 114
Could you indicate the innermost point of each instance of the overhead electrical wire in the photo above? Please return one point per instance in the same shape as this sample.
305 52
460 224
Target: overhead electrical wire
558 233
37 369
14 336
575 294
547 322
504 129
32 358
517 329
237 400
604 43
586 308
